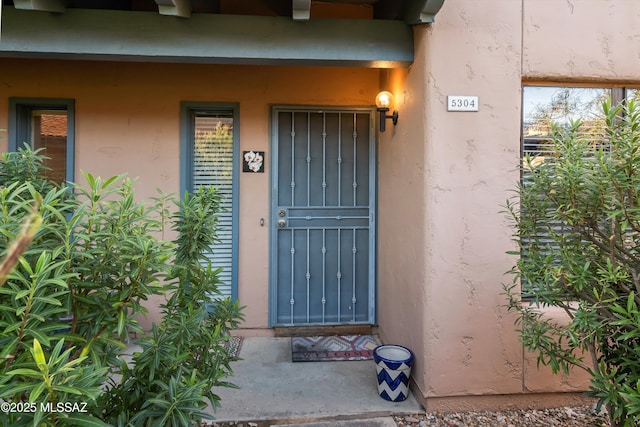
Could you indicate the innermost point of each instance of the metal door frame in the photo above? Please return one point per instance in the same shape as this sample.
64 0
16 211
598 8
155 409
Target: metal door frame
273 215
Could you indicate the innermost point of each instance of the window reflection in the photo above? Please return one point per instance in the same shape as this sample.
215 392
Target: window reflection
49 132
632 93
544 106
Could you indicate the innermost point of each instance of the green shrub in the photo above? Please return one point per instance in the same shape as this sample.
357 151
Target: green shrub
577 222
78 263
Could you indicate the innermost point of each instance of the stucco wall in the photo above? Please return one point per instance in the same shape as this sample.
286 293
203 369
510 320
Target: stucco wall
471 162
127 120
441 276
402 215
581 40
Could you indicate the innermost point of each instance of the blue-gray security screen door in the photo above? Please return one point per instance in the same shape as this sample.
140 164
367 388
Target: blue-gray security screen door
323 217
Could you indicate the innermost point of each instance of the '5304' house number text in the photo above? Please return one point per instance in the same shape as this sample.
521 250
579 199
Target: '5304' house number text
462 103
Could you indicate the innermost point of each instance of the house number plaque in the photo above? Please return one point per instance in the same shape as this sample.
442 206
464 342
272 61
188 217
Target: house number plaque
462 103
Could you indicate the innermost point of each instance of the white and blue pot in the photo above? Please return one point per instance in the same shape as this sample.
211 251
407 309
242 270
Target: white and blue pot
393 365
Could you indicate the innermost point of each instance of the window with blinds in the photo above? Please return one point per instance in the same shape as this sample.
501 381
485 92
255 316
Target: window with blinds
212 154
543 107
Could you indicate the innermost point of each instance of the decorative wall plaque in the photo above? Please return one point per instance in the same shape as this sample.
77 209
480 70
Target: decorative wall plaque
253 161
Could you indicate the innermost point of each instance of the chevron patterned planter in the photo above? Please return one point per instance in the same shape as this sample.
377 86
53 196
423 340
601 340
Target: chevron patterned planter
393 365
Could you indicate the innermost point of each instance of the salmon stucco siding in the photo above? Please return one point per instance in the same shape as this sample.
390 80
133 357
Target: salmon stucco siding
442 247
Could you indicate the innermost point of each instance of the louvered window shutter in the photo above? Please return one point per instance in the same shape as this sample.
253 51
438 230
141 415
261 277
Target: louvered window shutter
213 166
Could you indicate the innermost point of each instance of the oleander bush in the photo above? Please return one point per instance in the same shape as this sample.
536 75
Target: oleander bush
576 216
78 263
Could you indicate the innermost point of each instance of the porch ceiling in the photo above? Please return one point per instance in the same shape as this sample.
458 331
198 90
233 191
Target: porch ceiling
365 33
411 11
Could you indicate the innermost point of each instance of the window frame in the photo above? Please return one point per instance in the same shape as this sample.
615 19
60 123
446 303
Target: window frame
19 131
187 109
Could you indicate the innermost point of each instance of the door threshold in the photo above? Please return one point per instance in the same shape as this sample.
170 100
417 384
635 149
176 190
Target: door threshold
329 330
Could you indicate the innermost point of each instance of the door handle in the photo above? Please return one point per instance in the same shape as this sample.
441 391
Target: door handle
282 223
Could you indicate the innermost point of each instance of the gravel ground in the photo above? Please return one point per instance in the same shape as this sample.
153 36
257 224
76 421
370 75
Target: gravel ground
582 416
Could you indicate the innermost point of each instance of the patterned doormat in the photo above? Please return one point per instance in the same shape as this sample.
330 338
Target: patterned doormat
333 348
233 346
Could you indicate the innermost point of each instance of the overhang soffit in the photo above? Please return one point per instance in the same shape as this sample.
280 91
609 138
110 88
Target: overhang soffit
205 38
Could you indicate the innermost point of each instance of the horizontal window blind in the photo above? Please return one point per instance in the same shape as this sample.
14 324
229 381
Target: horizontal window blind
213 166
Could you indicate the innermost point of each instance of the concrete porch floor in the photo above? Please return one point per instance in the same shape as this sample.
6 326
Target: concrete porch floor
272 388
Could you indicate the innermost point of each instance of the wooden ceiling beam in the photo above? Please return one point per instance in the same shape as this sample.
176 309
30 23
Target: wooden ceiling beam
180 8
360 2
301 10
57 6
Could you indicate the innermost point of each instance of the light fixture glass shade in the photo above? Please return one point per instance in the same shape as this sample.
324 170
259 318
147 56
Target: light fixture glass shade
384 99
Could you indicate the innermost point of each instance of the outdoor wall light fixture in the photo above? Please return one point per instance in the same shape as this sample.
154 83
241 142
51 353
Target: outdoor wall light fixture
384 102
